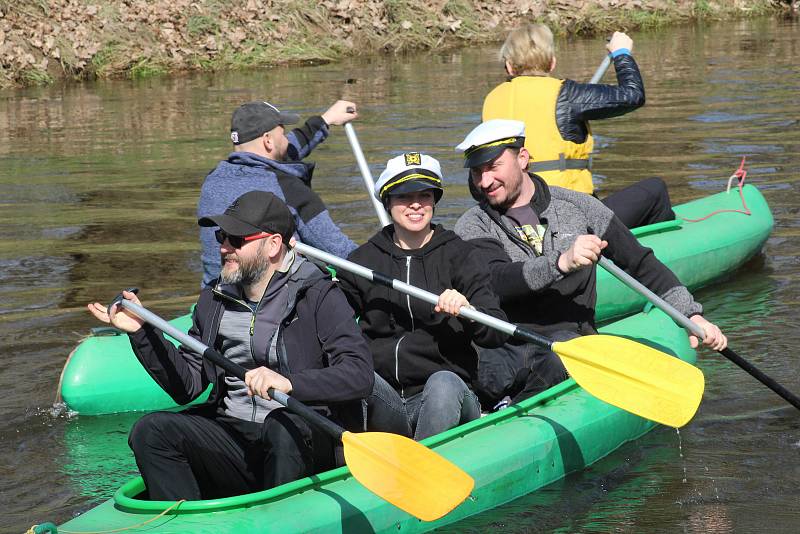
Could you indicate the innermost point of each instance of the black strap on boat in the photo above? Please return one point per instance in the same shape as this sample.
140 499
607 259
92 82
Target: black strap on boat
561 164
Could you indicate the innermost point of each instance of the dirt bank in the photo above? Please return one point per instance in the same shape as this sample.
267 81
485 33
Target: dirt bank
48 40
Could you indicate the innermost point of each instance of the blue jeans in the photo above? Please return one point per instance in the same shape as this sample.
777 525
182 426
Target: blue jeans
445 402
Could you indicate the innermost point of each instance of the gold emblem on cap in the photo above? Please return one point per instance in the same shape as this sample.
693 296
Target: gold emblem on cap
413 158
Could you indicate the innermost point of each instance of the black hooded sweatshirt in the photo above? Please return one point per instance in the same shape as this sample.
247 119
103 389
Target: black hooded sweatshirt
409 341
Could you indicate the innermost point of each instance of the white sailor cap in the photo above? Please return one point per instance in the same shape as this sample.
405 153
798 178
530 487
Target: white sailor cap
489 139
410 172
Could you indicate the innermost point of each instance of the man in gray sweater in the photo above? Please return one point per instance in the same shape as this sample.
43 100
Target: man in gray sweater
541 244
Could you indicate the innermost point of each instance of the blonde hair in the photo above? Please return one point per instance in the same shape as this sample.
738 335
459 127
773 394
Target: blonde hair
529 49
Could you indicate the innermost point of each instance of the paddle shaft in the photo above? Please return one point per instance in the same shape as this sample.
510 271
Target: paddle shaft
697 330
366 174
601 70
293 405
382 279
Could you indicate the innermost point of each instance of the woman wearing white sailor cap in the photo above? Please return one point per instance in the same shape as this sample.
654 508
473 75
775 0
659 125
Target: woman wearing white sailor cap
424 357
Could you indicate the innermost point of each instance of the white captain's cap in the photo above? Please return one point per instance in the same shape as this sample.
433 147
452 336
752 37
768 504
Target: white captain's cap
410 172
489 139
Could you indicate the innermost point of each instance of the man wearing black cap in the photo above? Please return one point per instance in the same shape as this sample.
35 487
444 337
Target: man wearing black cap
266 158
281 318
541 244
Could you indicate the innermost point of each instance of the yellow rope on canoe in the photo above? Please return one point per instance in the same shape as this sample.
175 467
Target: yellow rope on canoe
143 523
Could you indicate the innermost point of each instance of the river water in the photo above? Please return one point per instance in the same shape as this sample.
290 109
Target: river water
98 187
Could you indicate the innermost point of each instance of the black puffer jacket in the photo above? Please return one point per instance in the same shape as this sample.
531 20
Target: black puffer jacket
581 102
408 340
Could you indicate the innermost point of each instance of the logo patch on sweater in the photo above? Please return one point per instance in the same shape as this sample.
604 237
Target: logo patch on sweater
413 158
532 236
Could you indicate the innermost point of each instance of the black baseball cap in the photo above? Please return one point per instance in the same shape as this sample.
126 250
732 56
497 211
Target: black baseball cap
253 119
254 212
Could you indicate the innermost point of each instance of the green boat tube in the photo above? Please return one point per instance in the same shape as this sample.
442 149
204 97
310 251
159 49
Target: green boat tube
509 454
102 375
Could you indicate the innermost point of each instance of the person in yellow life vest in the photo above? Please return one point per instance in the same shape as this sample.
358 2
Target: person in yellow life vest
557 112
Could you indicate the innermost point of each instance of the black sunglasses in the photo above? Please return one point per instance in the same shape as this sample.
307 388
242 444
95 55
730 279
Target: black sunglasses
238 241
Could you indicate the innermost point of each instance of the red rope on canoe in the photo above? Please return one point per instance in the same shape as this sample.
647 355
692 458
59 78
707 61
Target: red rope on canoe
740 174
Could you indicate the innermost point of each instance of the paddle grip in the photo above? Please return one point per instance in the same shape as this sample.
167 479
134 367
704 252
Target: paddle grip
119 298
529 336
307 413
408 289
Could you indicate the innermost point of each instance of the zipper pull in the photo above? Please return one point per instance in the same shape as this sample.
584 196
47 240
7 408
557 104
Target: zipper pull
252 324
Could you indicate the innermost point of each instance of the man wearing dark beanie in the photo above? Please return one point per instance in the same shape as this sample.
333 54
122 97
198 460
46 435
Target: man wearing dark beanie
267 158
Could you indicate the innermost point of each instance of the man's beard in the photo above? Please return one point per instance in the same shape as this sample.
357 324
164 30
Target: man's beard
249 271
513 191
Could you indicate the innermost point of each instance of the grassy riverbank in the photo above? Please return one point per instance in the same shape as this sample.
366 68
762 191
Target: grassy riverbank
42 41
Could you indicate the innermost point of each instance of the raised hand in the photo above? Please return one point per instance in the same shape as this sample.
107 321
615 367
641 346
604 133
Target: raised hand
341 112
619 40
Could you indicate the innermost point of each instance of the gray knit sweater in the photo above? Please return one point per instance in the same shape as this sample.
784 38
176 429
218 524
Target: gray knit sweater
532 289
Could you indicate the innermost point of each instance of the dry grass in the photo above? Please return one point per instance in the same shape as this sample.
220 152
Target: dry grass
46 40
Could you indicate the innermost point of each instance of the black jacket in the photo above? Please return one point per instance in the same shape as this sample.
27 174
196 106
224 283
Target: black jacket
319 347
408 340
578 103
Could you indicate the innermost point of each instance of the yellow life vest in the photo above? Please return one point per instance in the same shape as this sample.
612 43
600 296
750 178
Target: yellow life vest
532 99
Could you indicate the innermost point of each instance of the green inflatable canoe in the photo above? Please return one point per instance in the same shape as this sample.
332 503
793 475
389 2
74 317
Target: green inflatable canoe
102 375
509 454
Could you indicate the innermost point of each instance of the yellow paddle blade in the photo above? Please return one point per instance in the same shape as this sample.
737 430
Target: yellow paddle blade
634 377
406 473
